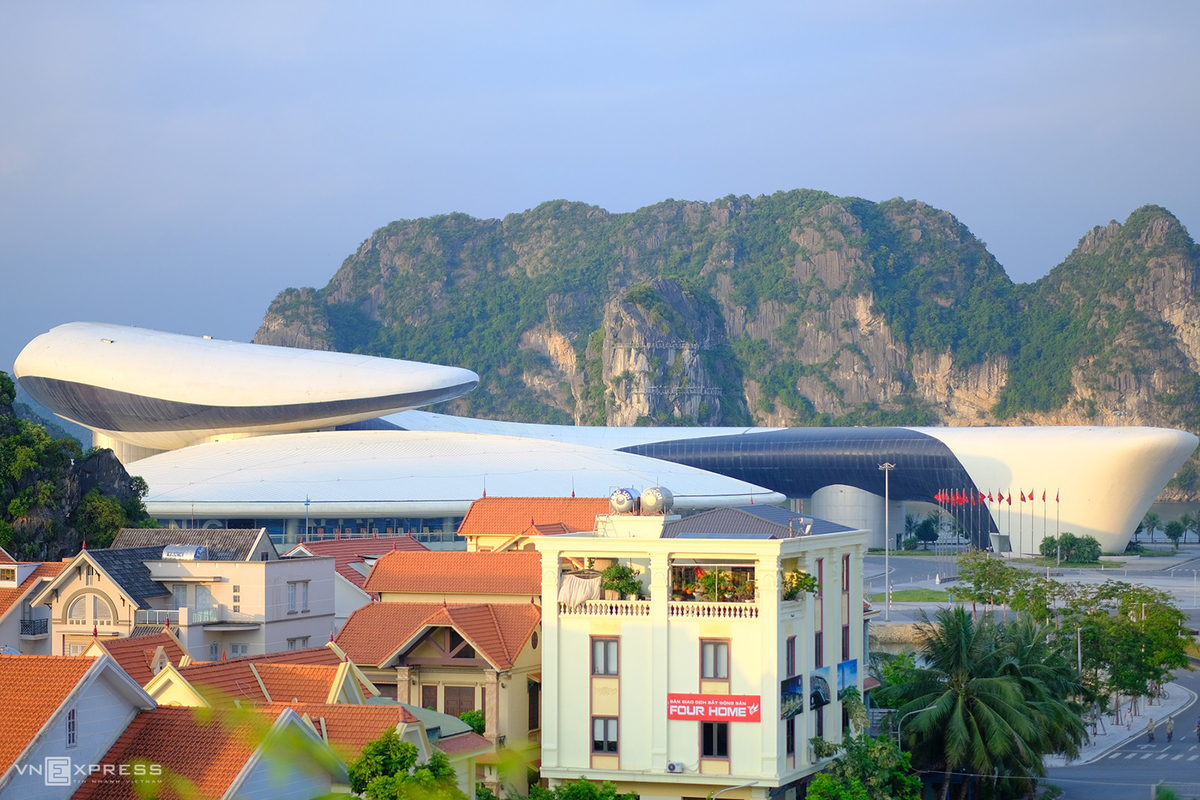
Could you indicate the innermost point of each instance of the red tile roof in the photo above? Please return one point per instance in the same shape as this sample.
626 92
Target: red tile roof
303 683
347 728
32 689
449 572
10 597
497 631
462 743
234 679
510 516
349 551
135 654
207 750
5 558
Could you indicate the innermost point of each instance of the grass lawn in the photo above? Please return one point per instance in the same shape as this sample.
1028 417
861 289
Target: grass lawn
914 596
878 551
1148 553
1049 562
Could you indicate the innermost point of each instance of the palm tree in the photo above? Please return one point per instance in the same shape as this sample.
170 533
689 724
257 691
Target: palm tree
1150 523
1189 525
987 703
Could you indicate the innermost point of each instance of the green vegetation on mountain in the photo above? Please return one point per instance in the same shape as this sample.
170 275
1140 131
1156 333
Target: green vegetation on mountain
798 308
52 495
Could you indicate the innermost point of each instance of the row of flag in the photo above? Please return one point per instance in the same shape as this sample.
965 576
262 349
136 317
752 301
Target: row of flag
960 497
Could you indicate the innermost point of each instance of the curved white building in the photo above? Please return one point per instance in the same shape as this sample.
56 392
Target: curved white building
250 430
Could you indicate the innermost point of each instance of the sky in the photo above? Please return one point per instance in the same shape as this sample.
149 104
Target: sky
176 165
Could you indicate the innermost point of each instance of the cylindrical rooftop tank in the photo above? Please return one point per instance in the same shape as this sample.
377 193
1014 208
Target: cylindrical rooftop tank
185 552
623 501
657 500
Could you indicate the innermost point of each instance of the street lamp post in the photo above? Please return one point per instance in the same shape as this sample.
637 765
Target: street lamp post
306 518
887 544
900 724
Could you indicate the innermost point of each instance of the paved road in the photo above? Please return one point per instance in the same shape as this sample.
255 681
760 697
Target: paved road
1131 769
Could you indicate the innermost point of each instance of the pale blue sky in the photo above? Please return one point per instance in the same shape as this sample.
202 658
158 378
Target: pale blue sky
175 165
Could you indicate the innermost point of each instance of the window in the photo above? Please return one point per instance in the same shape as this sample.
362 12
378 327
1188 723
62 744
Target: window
429 697
76 648
72 731
789 727
845 642
100 612
298 643
789 657
237 650
819 649
214 651
714 739
604 656
8 574
178 596
291 598
535 705
89 575
845 574
304 596
77 613
263 556
459 700
820 577
297 590
604 735
821 721
714 660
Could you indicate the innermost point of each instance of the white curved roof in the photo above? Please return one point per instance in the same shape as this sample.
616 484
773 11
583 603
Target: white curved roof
164 390
406 473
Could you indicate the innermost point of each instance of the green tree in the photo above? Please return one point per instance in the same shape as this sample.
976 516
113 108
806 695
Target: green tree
1174 531
582 789
871 765
1150 524
926 530
826 787
98 518
1190 525
985 700
387 769
475 719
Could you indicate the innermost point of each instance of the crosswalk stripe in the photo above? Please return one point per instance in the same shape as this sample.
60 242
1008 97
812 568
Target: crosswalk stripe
1193 758
1164 755
1147 755
1176 758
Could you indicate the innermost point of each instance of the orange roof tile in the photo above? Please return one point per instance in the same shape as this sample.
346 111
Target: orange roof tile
303 683
348 728
233 679
134 654
498 631
349 551
5 558
208 750
509 516
10 597
32 689
446 572
462 743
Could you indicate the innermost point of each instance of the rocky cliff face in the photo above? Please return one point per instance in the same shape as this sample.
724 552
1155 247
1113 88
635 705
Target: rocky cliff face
795 309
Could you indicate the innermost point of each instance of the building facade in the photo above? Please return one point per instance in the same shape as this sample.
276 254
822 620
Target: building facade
721 673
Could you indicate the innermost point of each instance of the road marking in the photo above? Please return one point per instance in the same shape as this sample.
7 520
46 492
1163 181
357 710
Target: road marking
1176 758
1146 755
1164 755
1193 758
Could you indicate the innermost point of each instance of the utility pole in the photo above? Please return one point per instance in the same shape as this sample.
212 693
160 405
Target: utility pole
887 544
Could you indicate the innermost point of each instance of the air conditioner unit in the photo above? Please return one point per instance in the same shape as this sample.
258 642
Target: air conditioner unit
674 767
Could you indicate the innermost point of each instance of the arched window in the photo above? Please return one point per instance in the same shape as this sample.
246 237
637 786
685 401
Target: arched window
100 611
77 614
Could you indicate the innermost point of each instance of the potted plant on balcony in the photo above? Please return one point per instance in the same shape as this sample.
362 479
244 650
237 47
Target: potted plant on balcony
716 585
797 583
621 581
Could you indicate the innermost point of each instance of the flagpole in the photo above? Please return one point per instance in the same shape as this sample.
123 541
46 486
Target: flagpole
1057 535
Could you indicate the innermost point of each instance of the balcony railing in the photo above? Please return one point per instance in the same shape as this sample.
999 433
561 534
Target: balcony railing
606 608
35 627
199 616
156 617
712 610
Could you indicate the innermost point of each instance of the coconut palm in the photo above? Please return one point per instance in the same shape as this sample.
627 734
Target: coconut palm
1189 525
1150 524
987 701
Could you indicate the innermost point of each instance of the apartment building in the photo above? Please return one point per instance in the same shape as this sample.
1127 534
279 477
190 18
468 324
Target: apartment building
716 672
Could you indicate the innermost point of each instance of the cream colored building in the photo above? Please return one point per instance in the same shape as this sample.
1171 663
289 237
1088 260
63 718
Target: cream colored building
681 694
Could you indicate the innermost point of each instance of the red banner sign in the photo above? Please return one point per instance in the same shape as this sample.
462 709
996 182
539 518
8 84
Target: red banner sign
714 707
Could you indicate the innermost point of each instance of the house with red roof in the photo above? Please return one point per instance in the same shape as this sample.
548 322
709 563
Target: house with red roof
457 631
508 523
353 559
60 714
24 627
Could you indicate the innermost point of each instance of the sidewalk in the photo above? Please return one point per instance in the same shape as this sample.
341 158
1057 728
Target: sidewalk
1109 737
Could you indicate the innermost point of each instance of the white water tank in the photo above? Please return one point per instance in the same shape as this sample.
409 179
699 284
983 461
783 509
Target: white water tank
657 500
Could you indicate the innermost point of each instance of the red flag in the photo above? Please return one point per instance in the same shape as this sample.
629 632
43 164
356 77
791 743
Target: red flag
1043 495
1031 495
222 655
1022 497
990 499
1056 495
1010 497
982 498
